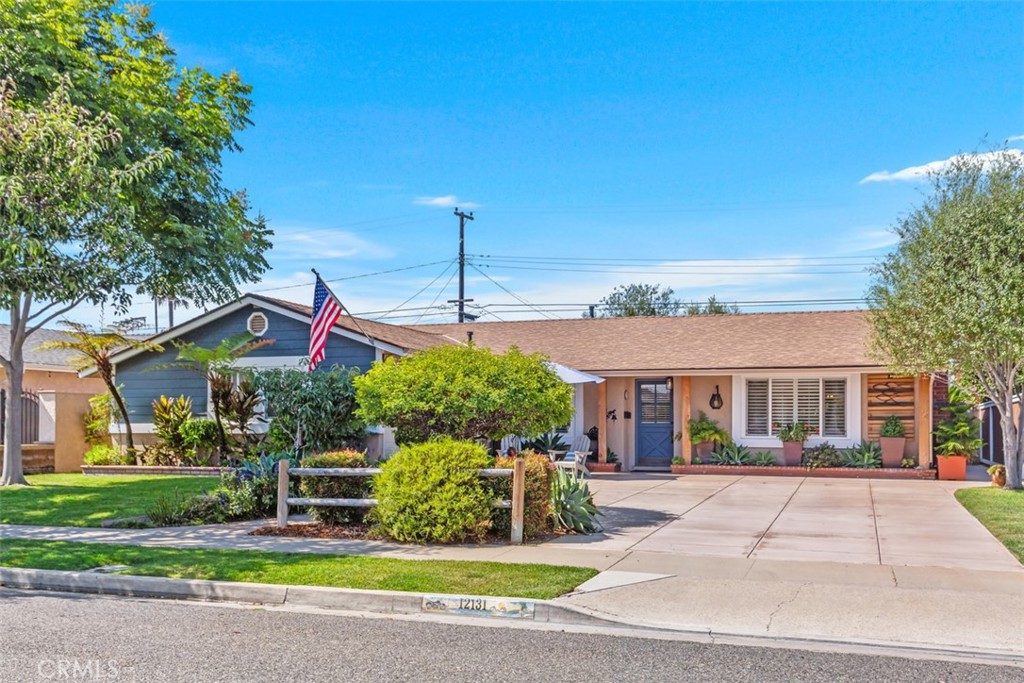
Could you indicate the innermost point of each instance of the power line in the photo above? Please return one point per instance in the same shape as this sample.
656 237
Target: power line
425 288
438 296
508 291
352 277
664 271
663 260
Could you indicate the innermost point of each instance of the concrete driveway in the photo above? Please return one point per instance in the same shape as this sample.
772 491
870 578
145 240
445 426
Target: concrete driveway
880 522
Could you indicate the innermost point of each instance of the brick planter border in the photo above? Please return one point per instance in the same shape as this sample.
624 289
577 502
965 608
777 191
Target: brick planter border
822 472
152 469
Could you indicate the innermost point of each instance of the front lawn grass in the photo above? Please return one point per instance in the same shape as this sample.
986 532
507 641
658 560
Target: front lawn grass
1001 511
88 500
341 571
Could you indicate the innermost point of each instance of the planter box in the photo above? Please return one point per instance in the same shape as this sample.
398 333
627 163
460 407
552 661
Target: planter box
155 469
792 453
603 466
952 467
892 450
822 472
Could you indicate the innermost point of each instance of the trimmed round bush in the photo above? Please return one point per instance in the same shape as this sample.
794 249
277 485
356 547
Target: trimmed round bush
103 454
335 487
537 519
432 492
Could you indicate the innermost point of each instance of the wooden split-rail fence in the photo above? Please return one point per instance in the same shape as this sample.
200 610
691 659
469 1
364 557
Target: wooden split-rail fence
284 501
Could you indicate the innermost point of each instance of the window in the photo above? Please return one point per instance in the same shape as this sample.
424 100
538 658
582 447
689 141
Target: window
818 402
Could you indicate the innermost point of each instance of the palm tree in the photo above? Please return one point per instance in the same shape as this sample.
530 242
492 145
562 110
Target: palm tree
94 350
215 365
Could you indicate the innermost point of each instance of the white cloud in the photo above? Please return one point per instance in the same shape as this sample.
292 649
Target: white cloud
914 173
1015 138
446 201
301 243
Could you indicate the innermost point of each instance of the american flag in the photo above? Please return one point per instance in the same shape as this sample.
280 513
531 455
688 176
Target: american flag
326 310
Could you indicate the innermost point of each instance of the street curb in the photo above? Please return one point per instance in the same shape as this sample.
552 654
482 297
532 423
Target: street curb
406 604
345 599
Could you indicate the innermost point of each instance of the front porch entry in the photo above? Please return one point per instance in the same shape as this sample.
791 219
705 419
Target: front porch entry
654 425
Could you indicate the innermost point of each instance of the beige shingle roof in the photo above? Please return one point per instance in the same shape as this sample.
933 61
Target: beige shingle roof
396 335
815 339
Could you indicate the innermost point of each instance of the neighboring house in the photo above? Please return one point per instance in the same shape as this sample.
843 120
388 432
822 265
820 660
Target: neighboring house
762 368
145 376
54 401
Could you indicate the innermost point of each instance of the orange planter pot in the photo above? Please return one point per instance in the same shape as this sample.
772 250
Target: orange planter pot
953 467
792 452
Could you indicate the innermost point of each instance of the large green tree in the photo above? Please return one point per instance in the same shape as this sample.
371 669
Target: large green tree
464 392
180 234
952 293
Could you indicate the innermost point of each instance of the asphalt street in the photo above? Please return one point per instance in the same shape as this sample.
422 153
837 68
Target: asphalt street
47 637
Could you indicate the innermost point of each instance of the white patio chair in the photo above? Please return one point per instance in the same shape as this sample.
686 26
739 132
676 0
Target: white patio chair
581 443
575 462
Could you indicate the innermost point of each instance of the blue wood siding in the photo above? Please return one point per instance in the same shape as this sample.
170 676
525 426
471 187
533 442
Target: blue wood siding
144 380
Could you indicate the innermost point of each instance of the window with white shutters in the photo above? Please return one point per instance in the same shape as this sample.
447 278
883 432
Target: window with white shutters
820 403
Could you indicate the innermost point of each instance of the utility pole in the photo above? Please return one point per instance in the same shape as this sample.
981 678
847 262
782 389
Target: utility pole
463 217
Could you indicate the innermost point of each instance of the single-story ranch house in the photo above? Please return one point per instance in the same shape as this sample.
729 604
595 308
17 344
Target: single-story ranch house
747 371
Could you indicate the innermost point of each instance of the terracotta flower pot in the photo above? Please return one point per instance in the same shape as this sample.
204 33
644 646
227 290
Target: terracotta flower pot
953 467
704 449
603 466
792 452
892 450
999 479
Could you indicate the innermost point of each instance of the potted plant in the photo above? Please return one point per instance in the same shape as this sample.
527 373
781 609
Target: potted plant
678 465
958 439
998 474
610 464
793 435
892 436
704 434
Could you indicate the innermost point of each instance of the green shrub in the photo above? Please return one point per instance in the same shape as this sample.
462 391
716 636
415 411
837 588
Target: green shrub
764 459
106 455
822 455
536 496
251 489
703 429
198 436
178 510
572 504
433 492
678 460
97 420
892 427
336 487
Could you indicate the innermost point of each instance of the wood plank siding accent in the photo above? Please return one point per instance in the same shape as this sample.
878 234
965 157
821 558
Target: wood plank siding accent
889 395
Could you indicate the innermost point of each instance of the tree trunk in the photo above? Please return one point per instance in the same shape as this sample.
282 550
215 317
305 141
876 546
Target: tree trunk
1011 442
123 409
13 469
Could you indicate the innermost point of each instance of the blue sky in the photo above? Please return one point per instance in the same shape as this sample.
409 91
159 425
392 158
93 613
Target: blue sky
660 133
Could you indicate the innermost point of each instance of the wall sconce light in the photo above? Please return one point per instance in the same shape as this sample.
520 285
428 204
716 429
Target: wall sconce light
668 383
716 399
611 415
625 395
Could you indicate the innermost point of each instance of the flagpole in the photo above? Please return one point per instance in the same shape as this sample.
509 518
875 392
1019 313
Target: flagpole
370 339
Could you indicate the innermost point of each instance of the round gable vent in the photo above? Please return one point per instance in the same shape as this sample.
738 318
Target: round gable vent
257 324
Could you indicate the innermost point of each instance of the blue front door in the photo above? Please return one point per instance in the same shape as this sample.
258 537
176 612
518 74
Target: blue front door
653 424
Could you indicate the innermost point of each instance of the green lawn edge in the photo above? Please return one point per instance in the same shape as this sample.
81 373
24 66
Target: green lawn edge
80 500
1001 511
539 581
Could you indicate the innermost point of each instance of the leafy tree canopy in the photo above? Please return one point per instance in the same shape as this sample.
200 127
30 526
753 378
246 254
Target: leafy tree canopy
464 392
712 307
952 293
310 412
191 237
639 300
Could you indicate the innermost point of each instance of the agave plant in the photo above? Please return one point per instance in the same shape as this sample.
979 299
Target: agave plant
765 459
552 441
732 454
572 504
866 456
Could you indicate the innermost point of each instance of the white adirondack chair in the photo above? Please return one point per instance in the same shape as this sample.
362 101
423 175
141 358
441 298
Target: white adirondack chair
576 460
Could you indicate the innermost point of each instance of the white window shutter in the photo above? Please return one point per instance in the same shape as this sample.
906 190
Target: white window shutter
833 403
757 408
808 403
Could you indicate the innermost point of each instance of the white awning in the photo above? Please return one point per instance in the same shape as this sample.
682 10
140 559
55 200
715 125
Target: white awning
573 376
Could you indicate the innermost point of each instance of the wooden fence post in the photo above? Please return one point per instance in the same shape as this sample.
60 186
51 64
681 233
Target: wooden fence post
518 499
282 493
